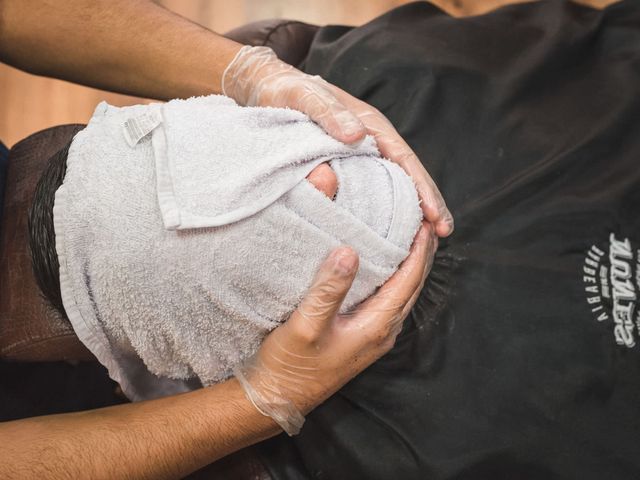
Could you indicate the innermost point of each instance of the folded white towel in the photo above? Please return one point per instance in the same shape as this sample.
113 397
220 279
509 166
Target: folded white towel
180 250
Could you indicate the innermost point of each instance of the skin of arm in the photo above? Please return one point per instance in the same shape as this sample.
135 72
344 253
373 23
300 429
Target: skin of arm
158 439
103 43
138 48
170 437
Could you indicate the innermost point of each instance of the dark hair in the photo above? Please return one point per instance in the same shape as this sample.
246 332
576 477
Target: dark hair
42 237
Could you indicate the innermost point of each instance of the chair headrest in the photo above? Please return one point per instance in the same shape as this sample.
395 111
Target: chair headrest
30 330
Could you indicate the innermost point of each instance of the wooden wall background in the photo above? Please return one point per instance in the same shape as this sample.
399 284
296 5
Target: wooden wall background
29 103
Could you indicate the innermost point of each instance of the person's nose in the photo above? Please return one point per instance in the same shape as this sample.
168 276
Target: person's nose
324 179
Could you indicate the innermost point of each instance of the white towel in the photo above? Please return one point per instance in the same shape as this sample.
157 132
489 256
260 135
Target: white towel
181 249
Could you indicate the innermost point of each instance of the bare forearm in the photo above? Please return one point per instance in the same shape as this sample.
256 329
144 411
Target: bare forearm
128 46
159 439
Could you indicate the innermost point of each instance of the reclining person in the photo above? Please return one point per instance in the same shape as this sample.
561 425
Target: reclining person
520 358
89 43
174 253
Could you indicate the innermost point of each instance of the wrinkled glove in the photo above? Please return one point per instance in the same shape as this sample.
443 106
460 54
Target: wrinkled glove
308 358
393 147
256 77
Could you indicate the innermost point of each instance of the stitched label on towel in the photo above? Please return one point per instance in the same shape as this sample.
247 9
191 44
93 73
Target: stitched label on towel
135 129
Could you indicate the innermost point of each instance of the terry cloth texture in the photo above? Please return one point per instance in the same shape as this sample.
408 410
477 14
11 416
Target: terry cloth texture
187 231
520 362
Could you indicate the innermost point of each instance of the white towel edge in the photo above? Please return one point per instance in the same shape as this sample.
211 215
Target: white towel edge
400 218
169 209
83 321
362 235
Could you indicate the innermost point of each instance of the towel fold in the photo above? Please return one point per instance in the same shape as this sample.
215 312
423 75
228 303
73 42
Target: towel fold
187 231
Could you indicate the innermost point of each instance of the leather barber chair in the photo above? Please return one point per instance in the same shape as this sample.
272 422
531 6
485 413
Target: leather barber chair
31 331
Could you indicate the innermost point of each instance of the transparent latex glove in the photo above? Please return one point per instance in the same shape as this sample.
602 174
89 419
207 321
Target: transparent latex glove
393 147
256 77
308 358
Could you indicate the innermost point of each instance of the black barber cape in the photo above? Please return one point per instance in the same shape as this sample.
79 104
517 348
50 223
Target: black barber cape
522 358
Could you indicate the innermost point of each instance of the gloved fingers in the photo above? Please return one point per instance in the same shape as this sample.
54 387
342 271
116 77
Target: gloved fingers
432 203
302 362
380 317
393 147
433 239
309 95
257 77
284 378
323 300
408 278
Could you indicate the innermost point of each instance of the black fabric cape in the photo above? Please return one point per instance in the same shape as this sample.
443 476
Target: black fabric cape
521 360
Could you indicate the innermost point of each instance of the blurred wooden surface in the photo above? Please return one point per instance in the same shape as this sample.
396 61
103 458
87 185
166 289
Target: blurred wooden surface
29 103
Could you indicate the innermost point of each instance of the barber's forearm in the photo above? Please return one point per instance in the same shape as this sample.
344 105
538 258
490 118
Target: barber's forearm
159 439
128 46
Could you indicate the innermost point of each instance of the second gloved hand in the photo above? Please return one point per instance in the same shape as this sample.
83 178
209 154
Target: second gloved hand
308 358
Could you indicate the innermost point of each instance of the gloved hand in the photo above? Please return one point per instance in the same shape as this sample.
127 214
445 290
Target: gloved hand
256 77
393 147
314 353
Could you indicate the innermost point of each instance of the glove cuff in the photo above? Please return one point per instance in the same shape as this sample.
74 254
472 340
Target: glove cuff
281 410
